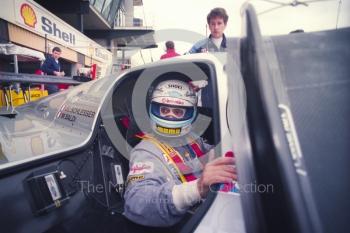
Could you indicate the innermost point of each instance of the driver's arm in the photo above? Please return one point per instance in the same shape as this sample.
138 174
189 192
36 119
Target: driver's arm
154 197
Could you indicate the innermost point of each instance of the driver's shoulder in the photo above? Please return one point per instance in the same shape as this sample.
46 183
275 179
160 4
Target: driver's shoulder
147 148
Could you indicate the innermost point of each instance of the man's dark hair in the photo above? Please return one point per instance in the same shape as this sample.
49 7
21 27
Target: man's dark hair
57 49
217 12
169 44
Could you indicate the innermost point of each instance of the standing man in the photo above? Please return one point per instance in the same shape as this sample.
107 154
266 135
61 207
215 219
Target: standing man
52 66
216 42
170 50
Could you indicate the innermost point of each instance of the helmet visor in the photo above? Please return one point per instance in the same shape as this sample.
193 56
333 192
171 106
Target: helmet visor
173 113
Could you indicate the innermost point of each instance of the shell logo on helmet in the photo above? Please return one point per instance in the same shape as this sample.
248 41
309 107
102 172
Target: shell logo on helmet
28 15
171 85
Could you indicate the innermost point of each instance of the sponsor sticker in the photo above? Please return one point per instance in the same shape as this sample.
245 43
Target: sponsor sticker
141 168
53 187
172 101
175 86
175 131
118 174
134 178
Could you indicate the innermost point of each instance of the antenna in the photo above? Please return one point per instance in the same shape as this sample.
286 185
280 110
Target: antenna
206 30
151 55
144 15
142 57
206 36
339 7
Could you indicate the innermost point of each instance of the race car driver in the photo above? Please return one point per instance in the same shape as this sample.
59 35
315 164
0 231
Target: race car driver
169 169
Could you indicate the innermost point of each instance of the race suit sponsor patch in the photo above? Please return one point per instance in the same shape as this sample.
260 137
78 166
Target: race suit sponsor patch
141 168
134 178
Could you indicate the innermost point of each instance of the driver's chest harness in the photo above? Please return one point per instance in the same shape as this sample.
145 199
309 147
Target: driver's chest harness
174 158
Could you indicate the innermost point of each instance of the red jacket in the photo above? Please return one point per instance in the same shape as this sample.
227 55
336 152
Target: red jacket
169 53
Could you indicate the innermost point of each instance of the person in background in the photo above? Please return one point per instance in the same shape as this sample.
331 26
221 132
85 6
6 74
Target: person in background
216 42
52 66
170 50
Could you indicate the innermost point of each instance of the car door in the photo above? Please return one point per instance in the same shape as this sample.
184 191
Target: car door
297 89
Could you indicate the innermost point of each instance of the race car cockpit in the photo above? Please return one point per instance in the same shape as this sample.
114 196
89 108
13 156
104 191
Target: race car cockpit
280 103
81 189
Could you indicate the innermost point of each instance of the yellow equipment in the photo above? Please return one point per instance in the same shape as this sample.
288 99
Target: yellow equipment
14 98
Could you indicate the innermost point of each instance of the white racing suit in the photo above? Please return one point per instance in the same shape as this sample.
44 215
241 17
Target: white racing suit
150 192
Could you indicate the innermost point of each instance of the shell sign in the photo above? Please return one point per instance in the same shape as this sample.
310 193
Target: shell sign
28 15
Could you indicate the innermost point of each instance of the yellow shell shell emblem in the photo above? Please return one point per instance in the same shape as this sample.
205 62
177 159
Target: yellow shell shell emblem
28 15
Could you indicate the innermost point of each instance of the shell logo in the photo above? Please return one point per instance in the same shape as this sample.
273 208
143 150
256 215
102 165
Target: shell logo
28 15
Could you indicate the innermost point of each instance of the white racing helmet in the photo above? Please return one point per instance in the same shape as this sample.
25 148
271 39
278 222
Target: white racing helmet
173 108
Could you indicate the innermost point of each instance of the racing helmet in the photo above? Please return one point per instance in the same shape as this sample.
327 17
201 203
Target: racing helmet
172 108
